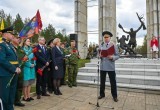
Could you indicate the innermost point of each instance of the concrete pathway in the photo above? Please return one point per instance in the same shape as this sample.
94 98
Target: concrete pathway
78 98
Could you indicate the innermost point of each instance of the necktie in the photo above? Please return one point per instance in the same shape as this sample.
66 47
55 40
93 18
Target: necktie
43 49
107 45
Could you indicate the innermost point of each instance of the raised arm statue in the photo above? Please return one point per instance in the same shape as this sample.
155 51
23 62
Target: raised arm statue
132 33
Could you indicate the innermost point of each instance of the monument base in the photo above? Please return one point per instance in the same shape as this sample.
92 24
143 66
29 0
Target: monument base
131 56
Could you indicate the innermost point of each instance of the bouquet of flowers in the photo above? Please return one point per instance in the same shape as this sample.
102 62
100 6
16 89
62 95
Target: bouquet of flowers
24 59
40 70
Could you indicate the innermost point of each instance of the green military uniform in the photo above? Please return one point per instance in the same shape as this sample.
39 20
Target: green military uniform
19 89
8 64
66 65
90 52
73 66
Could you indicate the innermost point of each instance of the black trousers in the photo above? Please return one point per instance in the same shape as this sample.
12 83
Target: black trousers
64 71
19 89
41 82
50 80
112 78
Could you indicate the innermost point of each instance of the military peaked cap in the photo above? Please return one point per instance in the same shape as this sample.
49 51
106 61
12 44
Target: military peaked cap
9 30
107 32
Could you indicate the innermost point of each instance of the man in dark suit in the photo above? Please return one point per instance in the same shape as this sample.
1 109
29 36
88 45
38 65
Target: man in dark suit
8 67
43 59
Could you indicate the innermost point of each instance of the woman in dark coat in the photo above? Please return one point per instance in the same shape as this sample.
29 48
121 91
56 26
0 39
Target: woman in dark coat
50 73
57 58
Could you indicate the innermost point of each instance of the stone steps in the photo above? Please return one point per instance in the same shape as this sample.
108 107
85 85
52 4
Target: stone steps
125 71
129 79
130 73
130 65
133 60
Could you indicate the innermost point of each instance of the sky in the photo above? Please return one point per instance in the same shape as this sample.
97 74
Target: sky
60 13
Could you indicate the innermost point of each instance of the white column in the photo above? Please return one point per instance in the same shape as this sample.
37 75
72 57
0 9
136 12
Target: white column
152 22
81 26
107 18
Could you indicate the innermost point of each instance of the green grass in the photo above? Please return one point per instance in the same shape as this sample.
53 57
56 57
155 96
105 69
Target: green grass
81 62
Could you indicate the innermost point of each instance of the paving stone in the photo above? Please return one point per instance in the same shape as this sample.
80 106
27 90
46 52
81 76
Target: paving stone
78 98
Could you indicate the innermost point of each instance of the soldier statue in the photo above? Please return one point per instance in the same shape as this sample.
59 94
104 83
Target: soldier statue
132 33
125 46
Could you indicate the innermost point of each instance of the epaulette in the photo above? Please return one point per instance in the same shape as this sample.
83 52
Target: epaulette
1 41
112 43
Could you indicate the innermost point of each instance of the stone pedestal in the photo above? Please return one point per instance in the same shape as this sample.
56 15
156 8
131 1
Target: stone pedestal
81 26
107 18
152 22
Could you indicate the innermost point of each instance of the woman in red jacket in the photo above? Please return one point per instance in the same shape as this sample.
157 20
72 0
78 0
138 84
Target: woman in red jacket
154 46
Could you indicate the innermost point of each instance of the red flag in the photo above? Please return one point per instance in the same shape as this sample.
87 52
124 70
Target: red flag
38 16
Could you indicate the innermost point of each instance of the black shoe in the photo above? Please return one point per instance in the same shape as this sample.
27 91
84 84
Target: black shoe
19 104
50 91
59 92
27 100
38 97
75 85
69 84
31 98
100 97
115 99
56 92
45 94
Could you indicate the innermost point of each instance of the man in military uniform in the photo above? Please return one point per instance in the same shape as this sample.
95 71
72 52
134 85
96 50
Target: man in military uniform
16 40
73 64
107 65
8 67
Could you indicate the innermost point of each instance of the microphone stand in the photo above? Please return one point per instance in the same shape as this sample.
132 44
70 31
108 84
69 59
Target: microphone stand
98 71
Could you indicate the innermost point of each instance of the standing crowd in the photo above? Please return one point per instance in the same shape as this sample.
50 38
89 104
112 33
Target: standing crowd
21 64
49 64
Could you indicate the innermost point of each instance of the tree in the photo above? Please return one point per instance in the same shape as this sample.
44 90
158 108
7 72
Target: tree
143 49
18 23
8 21
48 32
26 20
2 14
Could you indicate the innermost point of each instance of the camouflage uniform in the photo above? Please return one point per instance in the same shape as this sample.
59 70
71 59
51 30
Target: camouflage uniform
20 54
73 66
66 52
90 52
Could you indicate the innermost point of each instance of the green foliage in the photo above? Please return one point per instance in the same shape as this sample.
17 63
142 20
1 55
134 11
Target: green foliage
48 32
18 23
81 62
8 21
143 49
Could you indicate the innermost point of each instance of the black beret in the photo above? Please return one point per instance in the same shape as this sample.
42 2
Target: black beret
107 32
49 42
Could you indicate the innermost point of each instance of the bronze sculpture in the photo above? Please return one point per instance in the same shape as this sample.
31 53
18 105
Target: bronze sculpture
125 46
132 33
